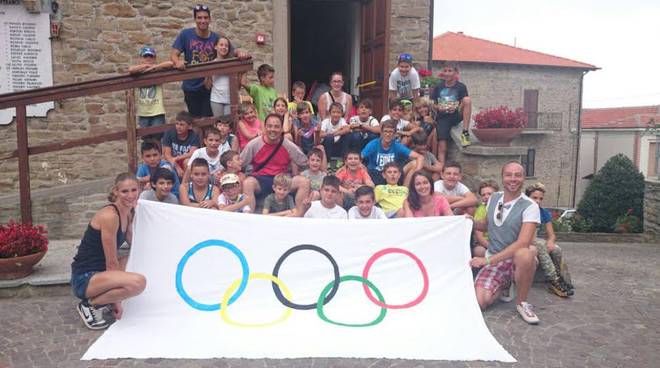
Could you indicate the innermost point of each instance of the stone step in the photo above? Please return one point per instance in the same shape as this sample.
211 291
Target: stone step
50 277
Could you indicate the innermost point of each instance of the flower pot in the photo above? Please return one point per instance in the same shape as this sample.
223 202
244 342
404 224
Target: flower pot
497 137
18 267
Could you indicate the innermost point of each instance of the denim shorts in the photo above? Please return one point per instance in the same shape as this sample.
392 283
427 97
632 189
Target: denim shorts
79 283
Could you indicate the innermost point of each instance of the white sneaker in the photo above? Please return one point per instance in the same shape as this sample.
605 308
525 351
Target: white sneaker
526 311
508 293
92 316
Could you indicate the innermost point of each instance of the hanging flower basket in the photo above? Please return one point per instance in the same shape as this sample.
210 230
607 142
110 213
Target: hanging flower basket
21 248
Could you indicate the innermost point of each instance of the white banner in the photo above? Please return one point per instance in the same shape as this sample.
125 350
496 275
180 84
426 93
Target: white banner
247 286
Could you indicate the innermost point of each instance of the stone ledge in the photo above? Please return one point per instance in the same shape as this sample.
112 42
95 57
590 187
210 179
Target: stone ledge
601 238
84 188
54 268
537 131
477 149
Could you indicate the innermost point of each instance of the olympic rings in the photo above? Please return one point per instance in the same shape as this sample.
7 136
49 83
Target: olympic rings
335 284
283 293
264 276
366 283
182 263
425 275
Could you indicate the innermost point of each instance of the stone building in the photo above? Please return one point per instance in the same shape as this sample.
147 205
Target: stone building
549 88
610 131
303 39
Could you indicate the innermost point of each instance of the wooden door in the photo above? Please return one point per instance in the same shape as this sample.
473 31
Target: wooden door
531 107
374 53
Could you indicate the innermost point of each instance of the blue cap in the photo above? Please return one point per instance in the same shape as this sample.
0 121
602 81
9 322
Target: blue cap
406 58
147 51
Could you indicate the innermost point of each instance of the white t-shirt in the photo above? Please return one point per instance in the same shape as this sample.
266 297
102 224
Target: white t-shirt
376 213
399 126
531 213
404 85
318 211
371 121
222 199
214 162
460 190
328 127
220 89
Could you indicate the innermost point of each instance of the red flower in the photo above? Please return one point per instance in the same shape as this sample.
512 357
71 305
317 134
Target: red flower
17 240
501 117
424 73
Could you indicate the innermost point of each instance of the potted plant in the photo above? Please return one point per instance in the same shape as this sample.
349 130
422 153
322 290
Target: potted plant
21 247
499 126
427 81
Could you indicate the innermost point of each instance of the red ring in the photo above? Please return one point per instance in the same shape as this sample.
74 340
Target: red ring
380 253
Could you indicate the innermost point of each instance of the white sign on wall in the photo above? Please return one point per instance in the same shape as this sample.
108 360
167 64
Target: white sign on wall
25 56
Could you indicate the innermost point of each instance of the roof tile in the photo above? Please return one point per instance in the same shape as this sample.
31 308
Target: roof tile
619 117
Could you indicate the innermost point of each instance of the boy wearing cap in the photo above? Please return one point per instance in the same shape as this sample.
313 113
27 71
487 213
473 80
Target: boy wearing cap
404 79
149 100
232 199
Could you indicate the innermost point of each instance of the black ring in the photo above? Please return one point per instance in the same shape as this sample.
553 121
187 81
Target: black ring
276 271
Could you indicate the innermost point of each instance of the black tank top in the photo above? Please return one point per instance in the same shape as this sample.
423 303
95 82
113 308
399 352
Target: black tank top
90 256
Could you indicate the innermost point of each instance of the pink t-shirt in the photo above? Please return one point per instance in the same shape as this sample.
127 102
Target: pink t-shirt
440 205
253 129
349 180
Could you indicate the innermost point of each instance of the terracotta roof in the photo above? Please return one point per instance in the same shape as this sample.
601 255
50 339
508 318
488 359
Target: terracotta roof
451 46
619 117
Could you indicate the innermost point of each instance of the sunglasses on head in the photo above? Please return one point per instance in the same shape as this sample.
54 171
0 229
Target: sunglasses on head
201 7
405 58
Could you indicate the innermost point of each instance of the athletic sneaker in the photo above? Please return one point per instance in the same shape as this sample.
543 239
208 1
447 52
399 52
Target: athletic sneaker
465 139
526 311
92 316
558 288
508 293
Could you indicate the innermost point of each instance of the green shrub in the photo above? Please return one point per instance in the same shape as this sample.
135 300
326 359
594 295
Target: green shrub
616 190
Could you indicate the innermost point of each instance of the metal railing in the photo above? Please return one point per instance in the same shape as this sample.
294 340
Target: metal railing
544 120
19 100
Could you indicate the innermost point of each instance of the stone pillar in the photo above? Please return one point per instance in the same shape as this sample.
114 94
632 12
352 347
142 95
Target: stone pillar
281 44
652 209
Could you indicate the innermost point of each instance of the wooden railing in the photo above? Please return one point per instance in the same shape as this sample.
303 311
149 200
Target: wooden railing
20 100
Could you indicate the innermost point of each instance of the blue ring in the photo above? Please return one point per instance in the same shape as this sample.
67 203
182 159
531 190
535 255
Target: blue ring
193 250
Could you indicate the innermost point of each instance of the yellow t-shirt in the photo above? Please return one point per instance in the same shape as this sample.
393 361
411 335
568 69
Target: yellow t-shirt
480 214
293 106
149 101
390 197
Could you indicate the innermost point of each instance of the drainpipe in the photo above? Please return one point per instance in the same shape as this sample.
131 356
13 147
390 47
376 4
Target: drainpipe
579 135
429 65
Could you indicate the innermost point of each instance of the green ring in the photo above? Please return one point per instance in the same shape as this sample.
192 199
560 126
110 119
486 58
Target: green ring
319 304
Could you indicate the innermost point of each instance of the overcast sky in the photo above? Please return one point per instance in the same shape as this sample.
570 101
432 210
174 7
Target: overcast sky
620 37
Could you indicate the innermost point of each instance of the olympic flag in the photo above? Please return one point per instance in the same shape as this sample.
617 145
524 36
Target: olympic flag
245 286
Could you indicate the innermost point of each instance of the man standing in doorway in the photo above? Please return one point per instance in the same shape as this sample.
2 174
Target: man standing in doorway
194 46
511 223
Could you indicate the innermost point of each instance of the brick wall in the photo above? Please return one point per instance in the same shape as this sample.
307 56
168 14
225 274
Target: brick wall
559 92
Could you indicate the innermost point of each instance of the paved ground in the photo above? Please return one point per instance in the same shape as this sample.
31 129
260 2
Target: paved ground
612 321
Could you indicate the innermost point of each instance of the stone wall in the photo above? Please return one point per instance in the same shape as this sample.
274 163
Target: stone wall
101 39
652 209
556 151
65 210
409 27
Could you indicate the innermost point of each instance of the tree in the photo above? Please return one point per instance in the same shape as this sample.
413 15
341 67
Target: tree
616 190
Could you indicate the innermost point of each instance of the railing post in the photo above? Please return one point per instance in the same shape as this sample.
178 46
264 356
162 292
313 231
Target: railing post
131 134
235 96
23 164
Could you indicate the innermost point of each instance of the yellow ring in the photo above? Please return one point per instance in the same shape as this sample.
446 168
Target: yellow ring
224 305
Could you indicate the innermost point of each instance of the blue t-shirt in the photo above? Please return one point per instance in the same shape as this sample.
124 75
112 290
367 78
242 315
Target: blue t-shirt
195 50
179 147
144 170
377 156
546 216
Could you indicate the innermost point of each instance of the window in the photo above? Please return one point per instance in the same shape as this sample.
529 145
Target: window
531 107
528 162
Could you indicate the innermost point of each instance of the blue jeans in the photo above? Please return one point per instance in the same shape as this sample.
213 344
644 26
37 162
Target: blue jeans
334 149
80 282
148 121
357 140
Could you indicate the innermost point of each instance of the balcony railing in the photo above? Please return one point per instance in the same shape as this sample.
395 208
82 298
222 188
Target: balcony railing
544 120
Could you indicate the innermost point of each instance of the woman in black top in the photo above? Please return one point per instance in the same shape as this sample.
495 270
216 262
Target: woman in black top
97 273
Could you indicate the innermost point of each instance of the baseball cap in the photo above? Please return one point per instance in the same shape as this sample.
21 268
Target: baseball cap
407 58
147 51
229 179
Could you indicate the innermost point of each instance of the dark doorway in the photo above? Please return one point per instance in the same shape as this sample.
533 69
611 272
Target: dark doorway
323 40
